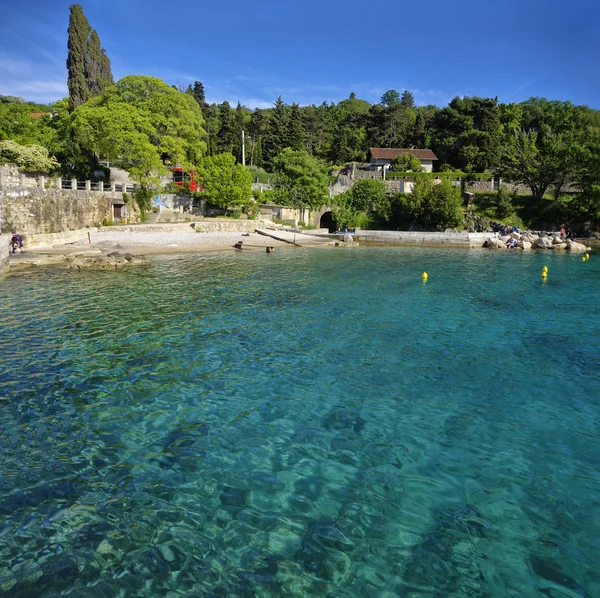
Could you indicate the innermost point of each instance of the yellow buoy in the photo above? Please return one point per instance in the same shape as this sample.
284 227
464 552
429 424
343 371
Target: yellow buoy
544 274
583 259
424 277
545 269
587 256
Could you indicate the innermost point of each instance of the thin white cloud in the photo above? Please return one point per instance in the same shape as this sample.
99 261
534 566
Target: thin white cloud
32 81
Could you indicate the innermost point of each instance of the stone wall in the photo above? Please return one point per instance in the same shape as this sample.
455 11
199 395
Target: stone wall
4 253
32 211
430 239
10 176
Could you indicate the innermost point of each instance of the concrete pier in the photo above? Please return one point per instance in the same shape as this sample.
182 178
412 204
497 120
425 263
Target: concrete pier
427 239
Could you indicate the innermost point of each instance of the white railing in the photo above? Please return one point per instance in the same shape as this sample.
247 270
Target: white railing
40 182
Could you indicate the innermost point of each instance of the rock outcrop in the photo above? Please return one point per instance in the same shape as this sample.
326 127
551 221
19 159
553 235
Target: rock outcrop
111 261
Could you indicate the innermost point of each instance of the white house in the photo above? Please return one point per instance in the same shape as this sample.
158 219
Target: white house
382 157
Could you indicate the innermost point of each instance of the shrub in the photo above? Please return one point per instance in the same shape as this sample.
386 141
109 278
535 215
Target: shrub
503 204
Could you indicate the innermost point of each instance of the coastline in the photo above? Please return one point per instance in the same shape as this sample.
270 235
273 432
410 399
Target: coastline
57 249
141 243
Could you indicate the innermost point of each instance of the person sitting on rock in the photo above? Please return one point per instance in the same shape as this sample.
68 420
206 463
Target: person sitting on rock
16 241
511 243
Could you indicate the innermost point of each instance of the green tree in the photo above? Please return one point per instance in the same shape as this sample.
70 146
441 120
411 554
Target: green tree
16 123
296 135
32 158
197 92
390 98
276 135
368 195
431 204
224 182
407 100
468 133
406 163
142 124
87 63
301 179
226 138
541 160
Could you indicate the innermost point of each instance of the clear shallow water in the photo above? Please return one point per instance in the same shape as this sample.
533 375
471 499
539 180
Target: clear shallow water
314 423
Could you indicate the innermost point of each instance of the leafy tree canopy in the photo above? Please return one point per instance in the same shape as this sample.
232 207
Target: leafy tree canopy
301 179
224 182
32 158
406 163
142 124
432 204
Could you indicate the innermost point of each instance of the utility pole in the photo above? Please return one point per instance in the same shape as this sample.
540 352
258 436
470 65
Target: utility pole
243 149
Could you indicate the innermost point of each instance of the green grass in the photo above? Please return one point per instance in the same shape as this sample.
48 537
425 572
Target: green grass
528 212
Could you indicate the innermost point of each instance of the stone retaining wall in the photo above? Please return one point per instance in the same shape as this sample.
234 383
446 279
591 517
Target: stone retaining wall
4 253
35 211
429 239
11 176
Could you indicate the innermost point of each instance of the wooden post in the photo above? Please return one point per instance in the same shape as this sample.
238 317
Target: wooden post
73 184
101 186
42 182
59 182
88 185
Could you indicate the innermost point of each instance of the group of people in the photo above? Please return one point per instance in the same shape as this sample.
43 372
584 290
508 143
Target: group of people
566 234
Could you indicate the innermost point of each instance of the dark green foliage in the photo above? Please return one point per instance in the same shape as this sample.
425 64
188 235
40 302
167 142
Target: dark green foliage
503 204
468 133
276 136
366 205
296 137
429 205
406 163
143 198
226 137
197 92
87 62
301 181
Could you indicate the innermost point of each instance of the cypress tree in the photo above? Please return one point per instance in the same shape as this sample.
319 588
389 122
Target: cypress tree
87 62
97 67
79 30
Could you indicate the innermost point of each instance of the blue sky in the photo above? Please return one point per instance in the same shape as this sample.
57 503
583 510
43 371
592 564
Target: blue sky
313 51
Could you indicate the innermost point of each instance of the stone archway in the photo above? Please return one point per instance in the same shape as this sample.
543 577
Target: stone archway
328 221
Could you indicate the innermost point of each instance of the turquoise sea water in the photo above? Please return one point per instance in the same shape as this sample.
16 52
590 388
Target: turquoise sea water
307 423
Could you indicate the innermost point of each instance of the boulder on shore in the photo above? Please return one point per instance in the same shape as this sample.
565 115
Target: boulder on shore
542 243
494 243
522 244
576 247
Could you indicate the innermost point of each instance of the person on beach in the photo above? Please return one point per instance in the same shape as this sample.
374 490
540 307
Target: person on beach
563 233
16 241
511 243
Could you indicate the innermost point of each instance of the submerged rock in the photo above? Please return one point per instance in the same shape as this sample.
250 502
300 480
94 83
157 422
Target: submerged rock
111 261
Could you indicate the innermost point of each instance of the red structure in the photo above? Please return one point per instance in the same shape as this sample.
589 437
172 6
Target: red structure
184 177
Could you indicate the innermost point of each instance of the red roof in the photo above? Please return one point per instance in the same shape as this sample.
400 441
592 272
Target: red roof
389 153
37 114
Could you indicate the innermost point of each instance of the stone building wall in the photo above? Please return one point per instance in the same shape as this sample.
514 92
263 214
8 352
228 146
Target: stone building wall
34 211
